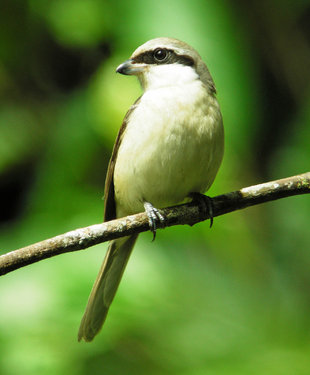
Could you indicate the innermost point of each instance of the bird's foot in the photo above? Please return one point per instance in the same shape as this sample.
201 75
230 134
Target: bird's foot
155 217
205 204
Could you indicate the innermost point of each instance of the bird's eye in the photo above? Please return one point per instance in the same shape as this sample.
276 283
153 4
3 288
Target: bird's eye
160 54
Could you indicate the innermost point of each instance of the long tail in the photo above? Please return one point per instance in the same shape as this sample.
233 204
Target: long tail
105 287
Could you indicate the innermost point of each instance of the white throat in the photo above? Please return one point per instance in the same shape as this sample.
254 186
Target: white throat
159 76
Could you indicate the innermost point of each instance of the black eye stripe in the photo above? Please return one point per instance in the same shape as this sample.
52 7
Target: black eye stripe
185 60
173 58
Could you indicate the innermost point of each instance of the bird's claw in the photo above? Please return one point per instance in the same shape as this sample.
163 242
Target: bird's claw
206 204
154 216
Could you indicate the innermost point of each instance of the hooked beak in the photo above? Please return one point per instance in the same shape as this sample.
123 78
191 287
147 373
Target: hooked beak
130 67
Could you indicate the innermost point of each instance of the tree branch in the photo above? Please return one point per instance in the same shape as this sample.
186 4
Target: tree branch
183 214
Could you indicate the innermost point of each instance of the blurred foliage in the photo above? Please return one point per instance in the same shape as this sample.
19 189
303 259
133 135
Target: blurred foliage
231 300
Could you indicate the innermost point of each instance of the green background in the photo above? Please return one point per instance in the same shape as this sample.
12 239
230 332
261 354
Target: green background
232 300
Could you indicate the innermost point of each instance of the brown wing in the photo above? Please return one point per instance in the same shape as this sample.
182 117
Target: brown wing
109 198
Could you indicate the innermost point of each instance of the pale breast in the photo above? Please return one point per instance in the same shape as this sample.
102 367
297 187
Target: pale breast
173 145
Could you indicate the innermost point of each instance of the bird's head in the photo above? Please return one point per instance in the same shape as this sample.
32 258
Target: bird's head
164 62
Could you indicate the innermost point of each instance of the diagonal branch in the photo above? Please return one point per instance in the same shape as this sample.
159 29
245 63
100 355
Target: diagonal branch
184 214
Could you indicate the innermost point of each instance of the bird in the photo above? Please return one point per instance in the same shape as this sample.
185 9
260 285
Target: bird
168 150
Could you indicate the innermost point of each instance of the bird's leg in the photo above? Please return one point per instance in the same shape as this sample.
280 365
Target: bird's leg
154 216
205 204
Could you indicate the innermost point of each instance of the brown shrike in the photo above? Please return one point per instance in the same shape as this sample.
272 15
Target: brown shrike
169 147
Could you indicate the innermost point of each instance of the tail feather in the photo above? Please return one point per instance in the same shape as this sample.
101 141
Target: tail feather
105 287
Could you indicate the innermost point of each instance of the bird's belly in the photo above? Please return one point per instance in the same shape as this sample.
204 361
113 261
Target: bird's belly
163 160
